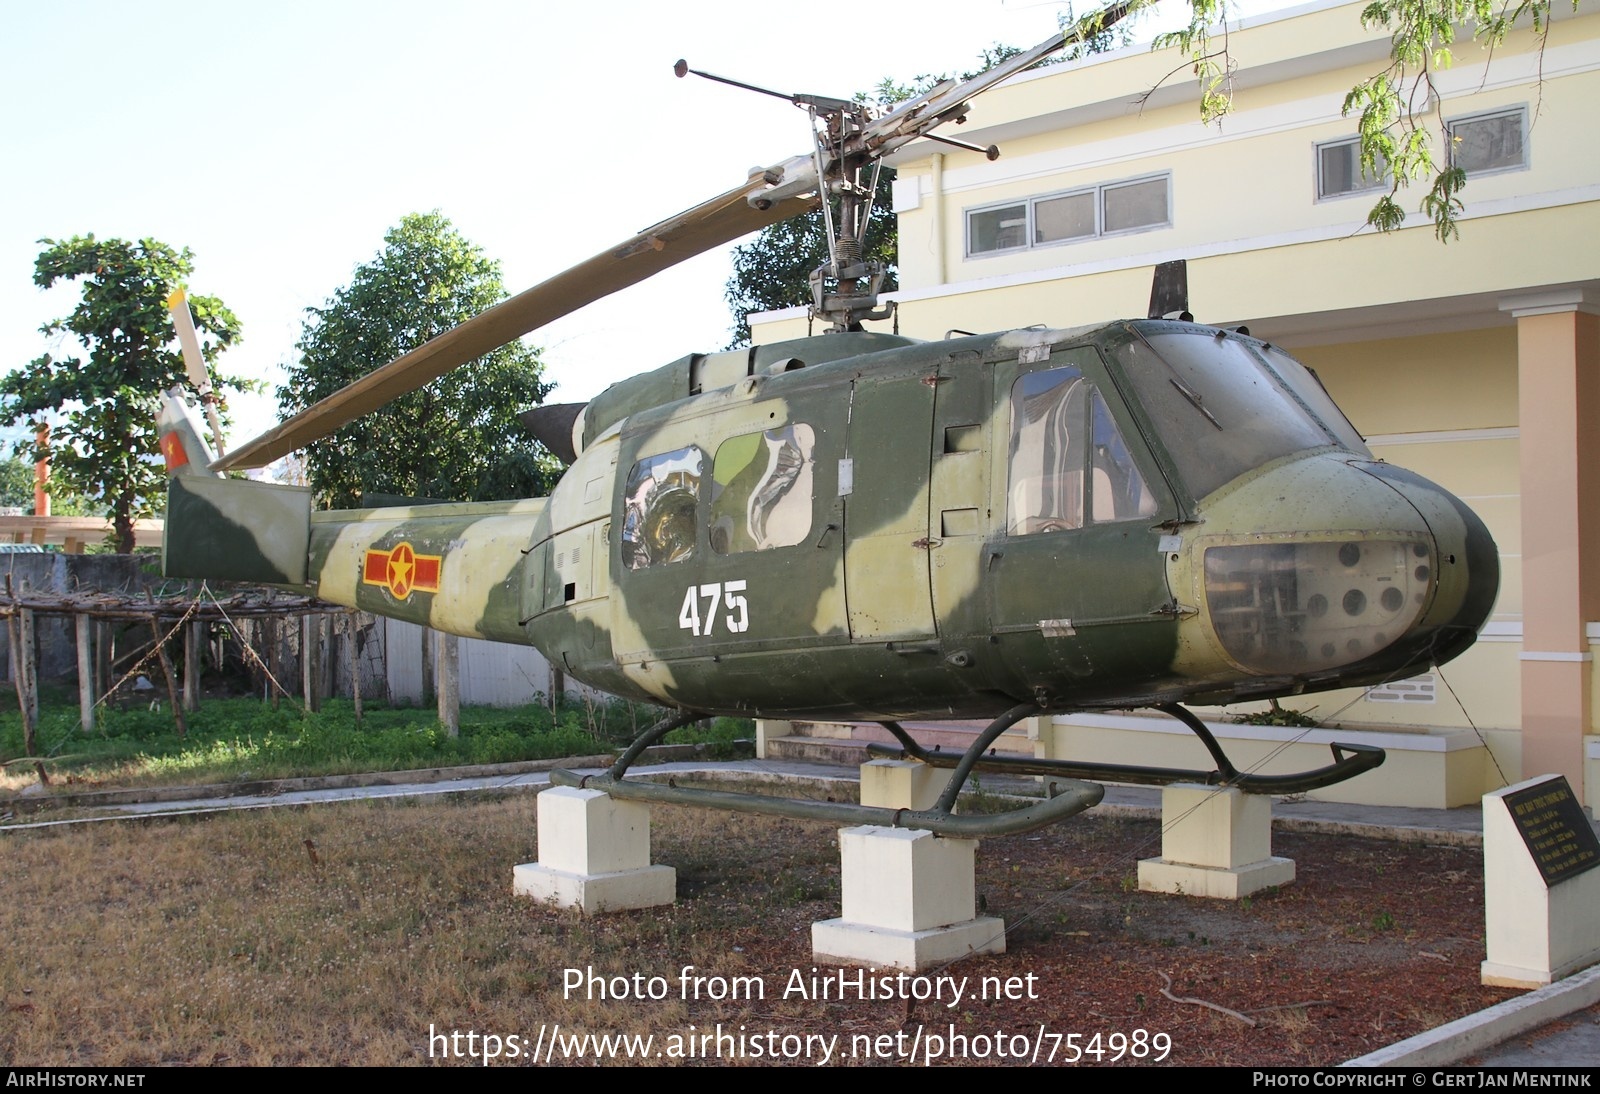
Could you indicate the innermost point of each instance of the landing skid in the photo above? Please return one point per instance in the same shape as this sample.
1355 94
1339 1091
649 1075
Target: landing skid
1349 761
1071 798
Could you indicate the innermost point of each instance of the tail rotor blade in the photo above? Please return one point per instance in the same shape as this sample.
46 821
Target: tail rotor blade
194 363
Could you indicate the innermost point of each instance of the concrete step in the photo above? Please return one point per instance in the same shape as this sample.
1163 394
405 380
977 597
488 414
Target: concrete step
845 743
827 750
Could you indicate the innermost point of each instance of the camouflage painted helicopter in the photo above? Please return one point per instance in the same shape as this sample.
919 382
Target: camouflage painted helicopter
864 526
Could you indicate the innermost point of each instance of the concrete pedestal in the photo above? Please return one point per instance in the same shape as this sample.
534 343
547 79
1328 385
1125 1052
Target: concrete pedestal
908 902
901 784
594 854
1534 935
1214 843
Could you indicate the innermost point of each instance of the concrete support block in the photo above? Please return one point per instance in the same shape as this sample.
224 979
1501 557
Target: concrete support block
594 854
1214 843
908 902
767 731
900 784
1534 935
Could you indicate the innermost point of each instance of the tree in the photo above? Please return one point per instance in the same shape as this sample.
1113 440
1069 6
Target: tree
102 407
458 438
16 484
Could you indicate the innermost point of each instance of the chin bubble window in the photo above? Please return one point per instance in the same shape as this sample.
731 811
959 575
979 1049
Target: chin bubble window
1308 606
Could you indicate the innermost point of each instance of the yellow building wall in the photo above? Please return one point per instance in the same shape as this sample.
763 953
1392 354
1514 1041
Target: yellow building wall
1253 173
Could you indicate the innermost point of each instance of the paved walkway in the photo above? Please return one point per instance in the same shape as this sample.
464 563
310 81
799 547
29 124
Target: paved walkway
1557 1026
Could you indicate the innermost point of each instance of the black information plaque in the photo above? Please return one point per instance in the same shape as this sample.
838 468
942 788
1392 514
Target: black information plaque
1557 834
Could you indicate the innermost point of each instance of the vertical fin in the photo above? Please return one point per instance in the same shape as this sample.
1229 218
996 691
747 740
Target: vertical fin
1169 291
182 447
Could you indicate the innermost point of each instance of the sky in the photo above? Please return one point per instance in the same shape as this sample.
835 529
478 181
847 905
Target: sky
280 141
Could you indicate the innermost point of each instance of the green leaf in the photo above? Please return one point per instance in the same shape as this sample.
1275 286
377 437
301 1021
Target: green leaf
459 437
101 405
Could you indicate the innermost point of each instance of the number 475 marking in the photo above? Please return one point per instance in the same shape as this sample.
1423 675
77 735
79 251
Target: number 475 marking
728 592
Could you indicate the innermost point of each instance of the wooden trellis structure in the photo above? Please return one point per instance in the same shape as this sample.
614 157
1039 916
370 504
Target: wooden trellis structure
250 620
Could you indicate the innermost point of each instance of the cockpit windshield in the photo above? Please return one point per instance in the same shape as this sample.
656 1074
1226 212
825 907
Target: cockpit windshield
1220 408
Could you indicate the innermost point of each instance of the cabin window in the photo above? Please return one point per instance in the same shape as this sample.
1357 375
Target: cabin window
1068 461
1107 209
1307 387
1048 437
1339 170
762 489
1117 490
1489 142
660 509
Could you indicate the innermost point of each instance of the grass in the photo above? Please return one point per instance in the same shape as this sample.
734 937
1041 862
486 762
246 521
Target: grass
342 935
236 739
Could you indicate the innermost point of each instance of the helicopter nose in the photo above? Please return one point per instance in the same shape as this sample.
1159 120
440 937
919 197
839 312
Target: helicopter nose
1327 566
1468 570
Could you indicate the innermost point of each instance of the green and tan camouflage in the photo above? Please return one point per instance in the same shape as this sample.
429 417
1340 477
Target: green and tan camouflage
867 526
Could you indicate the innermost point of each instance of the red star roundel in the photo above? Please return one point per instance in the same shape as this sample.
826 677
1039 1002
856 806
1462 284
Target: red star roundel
402 571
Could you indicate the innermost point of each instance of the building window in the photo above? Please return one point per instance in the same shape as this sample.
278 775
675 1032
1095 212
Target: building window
1070 216
1110 208
1489 142
1004 229
1131 205
1339 169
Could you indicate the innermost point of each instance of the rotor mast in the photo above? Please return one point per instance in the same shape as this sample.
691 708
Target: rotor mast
844 290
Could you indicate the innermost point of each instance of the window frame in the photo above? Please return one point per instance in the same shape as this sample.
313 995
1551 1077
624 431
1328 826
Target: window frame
1030 203
1366 187
1520 112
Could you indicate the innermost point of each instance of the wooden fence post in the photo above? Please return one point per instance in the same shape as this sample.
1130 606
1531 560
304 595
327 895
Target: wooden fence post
84 628
191 665
30 663
429 669
352 632
449 660
309 674
172 680
269 627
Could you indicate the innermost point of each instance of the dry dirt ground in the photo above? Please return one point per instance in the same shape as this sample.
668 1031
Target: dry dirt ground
363 932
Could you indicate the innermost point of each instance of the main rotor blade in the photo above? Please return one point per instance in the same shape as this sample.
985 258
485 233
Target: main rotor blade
718 221
780 192
947 100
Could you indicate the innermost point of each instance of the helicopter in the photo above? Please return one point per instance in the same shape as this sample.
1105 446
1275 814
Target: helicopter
858 525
